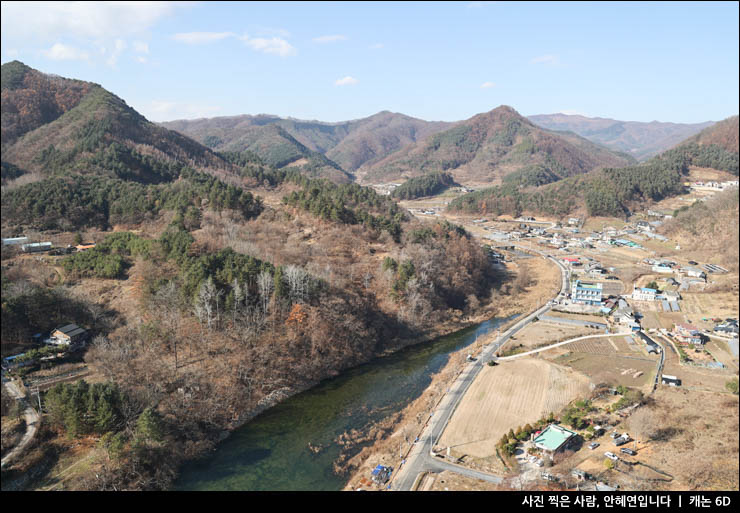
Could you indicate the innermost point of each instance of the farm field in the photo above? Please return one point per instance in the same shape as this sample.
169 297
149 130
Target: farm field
722 353
504 397
602 364
714 304
580 317
543 332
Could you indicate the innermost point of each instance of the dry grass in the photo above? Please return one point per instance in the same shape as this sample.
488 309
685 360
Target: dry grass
543 333
605 366
509 395
700 428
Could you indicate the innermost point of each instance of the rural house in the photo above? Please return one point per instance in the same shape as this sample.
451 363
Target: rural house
554 438
69 335
644 294
688 334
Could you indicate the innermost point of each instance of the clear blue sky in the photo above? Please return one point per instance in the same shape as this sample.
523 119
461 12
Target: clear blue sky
437 61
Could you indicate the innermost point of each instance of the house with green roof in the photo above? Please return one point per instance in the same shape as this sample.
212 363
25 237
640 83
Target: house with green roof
554 438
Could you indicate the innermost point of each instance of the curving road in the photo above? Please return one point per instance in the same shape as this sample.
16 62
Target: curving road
32 419
421 458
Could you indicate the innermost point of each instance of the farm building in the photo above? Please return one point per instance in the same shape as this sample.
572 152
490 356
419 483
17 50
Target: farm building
650 345
35 247
694 272
660 268
14 241
71 334
644 294
554 438
670 380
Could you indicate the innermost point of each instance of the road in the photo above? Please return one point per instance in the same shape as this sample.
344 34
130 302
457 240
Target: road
421 457
32 420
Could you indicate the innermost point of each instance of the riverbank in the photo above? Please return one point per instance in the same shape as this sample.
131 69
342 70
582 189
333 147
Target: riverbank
394 435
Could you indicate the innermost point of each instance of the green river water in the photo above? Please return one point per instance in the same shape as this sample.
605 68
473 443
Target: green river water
271 451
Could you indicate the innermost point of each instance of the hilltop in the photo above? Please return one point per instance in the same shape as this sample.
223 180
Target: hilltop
490 146
723 134
639 139
54 126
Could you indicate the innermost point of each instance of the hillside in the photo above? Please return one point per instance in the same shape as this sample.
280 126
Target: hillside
710 227
349 144
489 146
59 126
723 134
31 99
602 192
638 139
377 136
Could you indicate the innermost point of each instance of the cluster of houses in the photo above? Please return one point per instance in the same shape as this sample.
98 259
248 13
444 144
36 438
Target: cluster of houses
728 327
663 266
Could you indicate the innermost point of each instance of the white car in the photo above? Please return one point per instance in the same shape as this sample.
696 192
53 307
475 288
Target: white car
611 456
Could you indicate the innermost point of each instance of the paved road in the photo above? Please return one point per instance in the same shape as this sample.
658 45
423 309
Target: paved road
32 419
421 458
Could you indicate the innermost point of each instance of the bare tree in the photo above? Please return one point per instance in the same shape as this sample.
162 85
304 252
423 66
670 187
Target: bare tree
265 284
207 302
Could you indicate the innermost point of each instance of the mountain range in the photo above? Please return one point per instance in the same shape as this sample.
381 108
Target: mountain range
639 139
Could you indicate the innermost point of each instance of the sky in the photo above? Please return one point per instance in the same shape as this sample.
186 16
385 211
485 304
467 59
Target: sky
443 61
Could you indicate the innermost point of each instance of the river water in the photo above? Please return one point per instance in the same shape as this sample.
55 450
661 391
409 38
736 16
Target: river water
271 451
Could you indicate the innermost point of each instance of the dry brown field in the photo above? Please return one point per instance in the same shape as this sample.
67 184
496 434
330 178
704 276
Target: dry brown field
577 316
700 445
450 481
722 353
509 395
608 367
541 333
709 304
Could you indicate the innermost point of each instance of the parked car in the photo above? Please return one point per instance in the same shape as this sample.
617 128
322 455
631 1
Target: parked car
615 435
621 441
611 456
593 445
628 451
691 262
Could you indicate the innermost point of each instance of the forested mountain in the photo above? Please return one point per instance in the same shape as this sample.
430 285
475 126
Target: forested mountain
350 143
723 134
639 139
489 146
31 99
53 126
603 192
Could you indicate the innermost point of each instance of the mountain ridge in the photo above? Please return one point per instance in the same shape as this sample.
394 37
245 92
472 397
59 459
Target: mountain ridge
640 139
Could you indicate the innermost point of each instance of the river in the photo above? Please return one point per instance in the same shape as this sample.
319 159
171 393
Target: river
271 451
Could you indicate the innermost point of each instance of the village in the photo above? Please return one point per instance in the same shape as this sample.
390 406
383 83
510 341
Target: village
570 401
